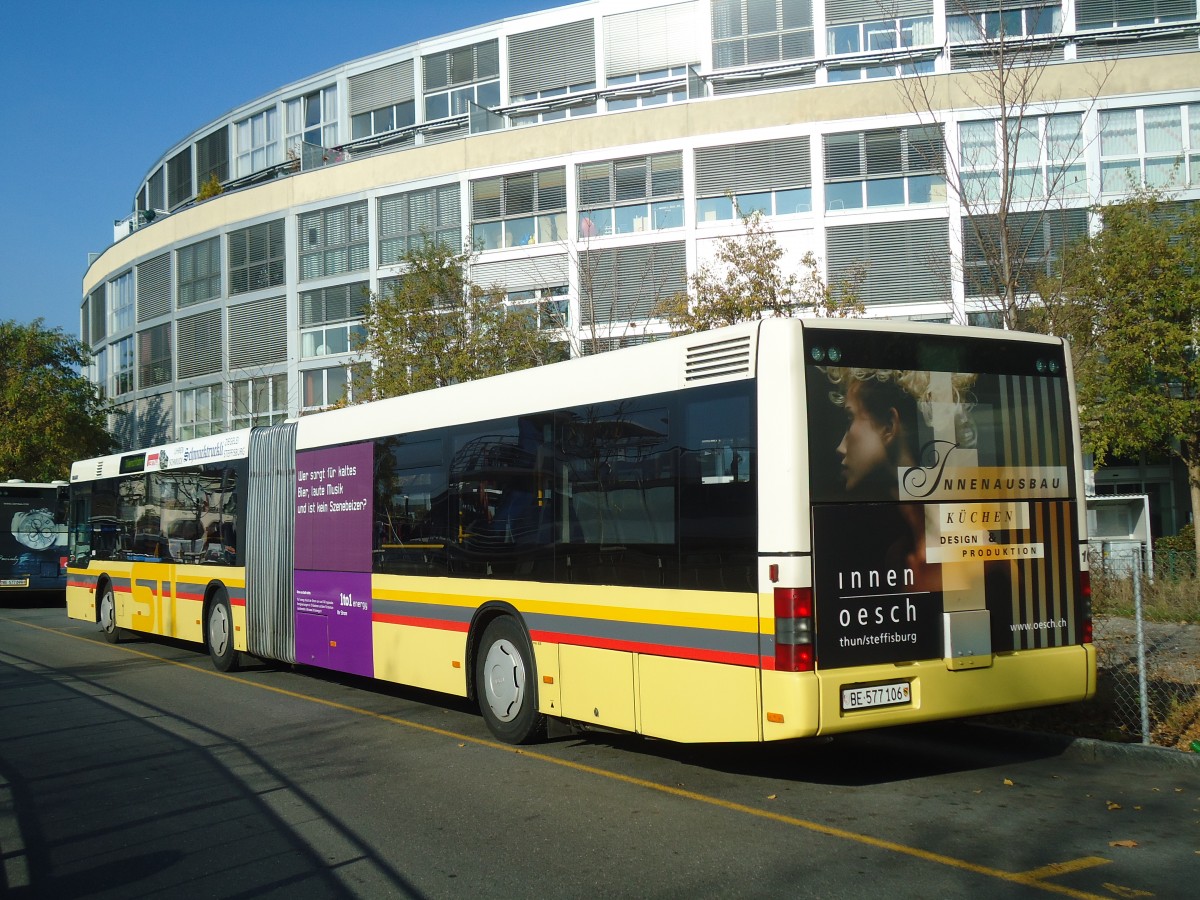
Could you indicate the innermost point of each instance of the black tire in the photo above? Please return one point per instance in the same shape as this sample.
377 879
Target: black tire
506 684
218 633
106 614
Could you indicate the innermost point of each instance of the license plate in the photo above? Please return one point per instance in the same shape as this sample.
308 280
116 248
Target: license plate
14 582
895 694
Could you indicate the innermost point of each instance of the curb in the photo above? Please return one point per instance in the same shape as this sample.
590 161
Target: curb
1091 750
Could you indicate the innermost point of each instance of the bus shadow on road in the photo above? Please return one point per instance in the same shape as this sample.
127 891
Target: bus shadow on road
860 759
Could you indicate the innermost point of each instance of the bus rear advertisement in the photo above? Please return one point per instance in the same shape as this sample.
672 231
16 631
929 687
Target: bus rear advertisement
33 536
776 530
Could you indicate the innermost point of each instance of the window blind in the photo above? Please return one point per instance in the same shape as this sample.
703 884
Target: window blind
907 262
154 288
200 347
382 87
649 39
554 57
753 167
258 333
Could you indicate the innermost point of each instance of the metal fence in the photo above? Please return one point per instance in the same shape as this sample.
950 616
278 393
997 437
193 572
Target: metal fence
1148 679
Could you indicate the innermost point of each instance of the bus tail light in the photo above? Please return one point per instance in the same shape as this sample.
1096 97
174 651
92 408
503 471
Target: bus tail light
794 650
1085 592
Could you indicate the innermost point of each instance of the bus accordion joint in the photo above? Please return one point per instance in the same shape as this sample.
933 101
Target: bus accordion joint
794 649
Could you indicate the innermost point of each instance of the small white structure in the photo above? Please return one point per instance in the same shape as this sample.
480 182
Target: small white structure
1117 525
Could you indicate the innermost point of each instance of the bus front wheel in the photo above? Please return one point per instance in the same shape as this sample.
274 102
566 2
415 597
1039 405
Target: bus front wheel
505 683
107 614
219 633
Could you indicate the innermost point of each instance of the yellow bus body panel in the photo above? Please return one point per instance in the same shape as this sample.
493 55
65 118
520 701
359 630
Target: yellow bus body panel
694 701
150 598
421 657
1021 679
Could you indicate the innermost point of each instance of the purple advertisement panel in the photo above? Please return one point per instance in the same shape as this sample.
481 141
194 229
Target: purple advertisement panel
333 621
333 508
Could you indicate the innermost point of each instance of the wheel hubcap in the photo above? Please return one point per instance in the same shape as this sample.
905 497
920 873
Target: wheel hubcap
218 630
504 680
107 613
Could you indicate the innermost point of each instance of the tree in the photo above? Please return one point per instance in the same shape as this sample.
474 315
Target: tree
1018 174
434 327
51 414
1129 300
747 281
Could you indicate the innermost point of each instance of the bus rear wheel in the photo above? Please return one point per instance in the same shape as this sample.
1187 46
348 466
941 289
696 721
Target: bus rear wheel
107 615
506 684
218 633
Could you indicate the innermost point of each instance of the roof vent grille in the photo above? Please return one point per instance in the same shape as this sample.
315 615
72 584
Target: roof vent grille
719 359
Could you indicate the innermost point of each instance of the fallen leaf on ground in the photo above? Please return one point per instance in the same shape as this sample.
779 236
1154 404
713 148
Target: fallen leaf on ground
1122 843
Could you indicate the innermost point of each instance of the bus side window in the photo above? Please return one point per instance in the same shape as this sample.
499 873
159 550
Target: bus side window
717 495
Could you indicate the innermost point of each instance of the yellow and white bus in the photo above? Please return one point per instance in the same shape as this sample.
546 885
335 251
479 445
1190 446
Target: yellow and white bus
776 530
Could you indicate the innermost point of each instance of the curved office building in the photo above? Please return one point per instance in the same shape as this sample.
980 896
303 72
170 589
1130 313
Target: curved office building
593 154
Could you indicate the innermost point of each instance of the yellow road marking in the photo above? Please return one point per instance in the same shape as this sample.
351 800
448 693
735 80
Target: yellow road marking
1028 879
1062 868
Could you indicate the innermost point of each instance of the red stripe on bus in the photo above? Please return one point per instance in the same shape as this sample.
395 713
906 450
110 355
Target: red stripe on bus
737 659
439 624
180 595
237 601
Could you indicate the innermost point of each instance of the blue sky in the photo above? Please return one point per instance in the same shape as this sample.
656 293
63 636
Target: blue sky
99 89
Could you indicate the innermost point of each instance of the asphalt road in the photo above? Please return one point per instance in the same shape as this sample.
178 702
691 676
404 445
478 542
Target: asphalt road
137 771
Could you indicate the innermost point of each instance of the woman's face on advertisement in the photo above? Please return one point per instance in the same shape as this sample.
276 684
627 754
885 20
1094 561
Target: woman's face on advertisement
863 448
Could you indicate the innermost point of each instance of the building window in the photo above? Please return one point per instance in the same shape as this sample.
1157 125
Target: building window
1041 235
179 178
407 221
750 32
333 241
332 340
154 356
312 119
518 210
121 303
199 272
385 119
199 412
325 387
770 177
257 142
643 89
121 367
1158 147
456 78
619 285
549 304
625 196
259 401
1096 14
1045 157
256 257
1032 21
879 36
889 167
564 102
212 157
381 100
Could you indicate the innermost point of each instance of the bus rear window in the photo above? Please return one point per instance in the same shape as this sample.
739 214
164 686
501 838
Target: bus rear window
892 417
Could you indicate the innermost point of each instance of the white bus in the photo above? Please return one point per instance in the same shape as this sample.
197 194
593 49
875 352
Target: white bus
775 530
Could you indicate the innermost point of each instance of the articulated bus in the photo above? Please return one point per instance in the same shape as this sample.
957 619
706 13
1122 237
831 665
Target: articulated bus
776 530
33 536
